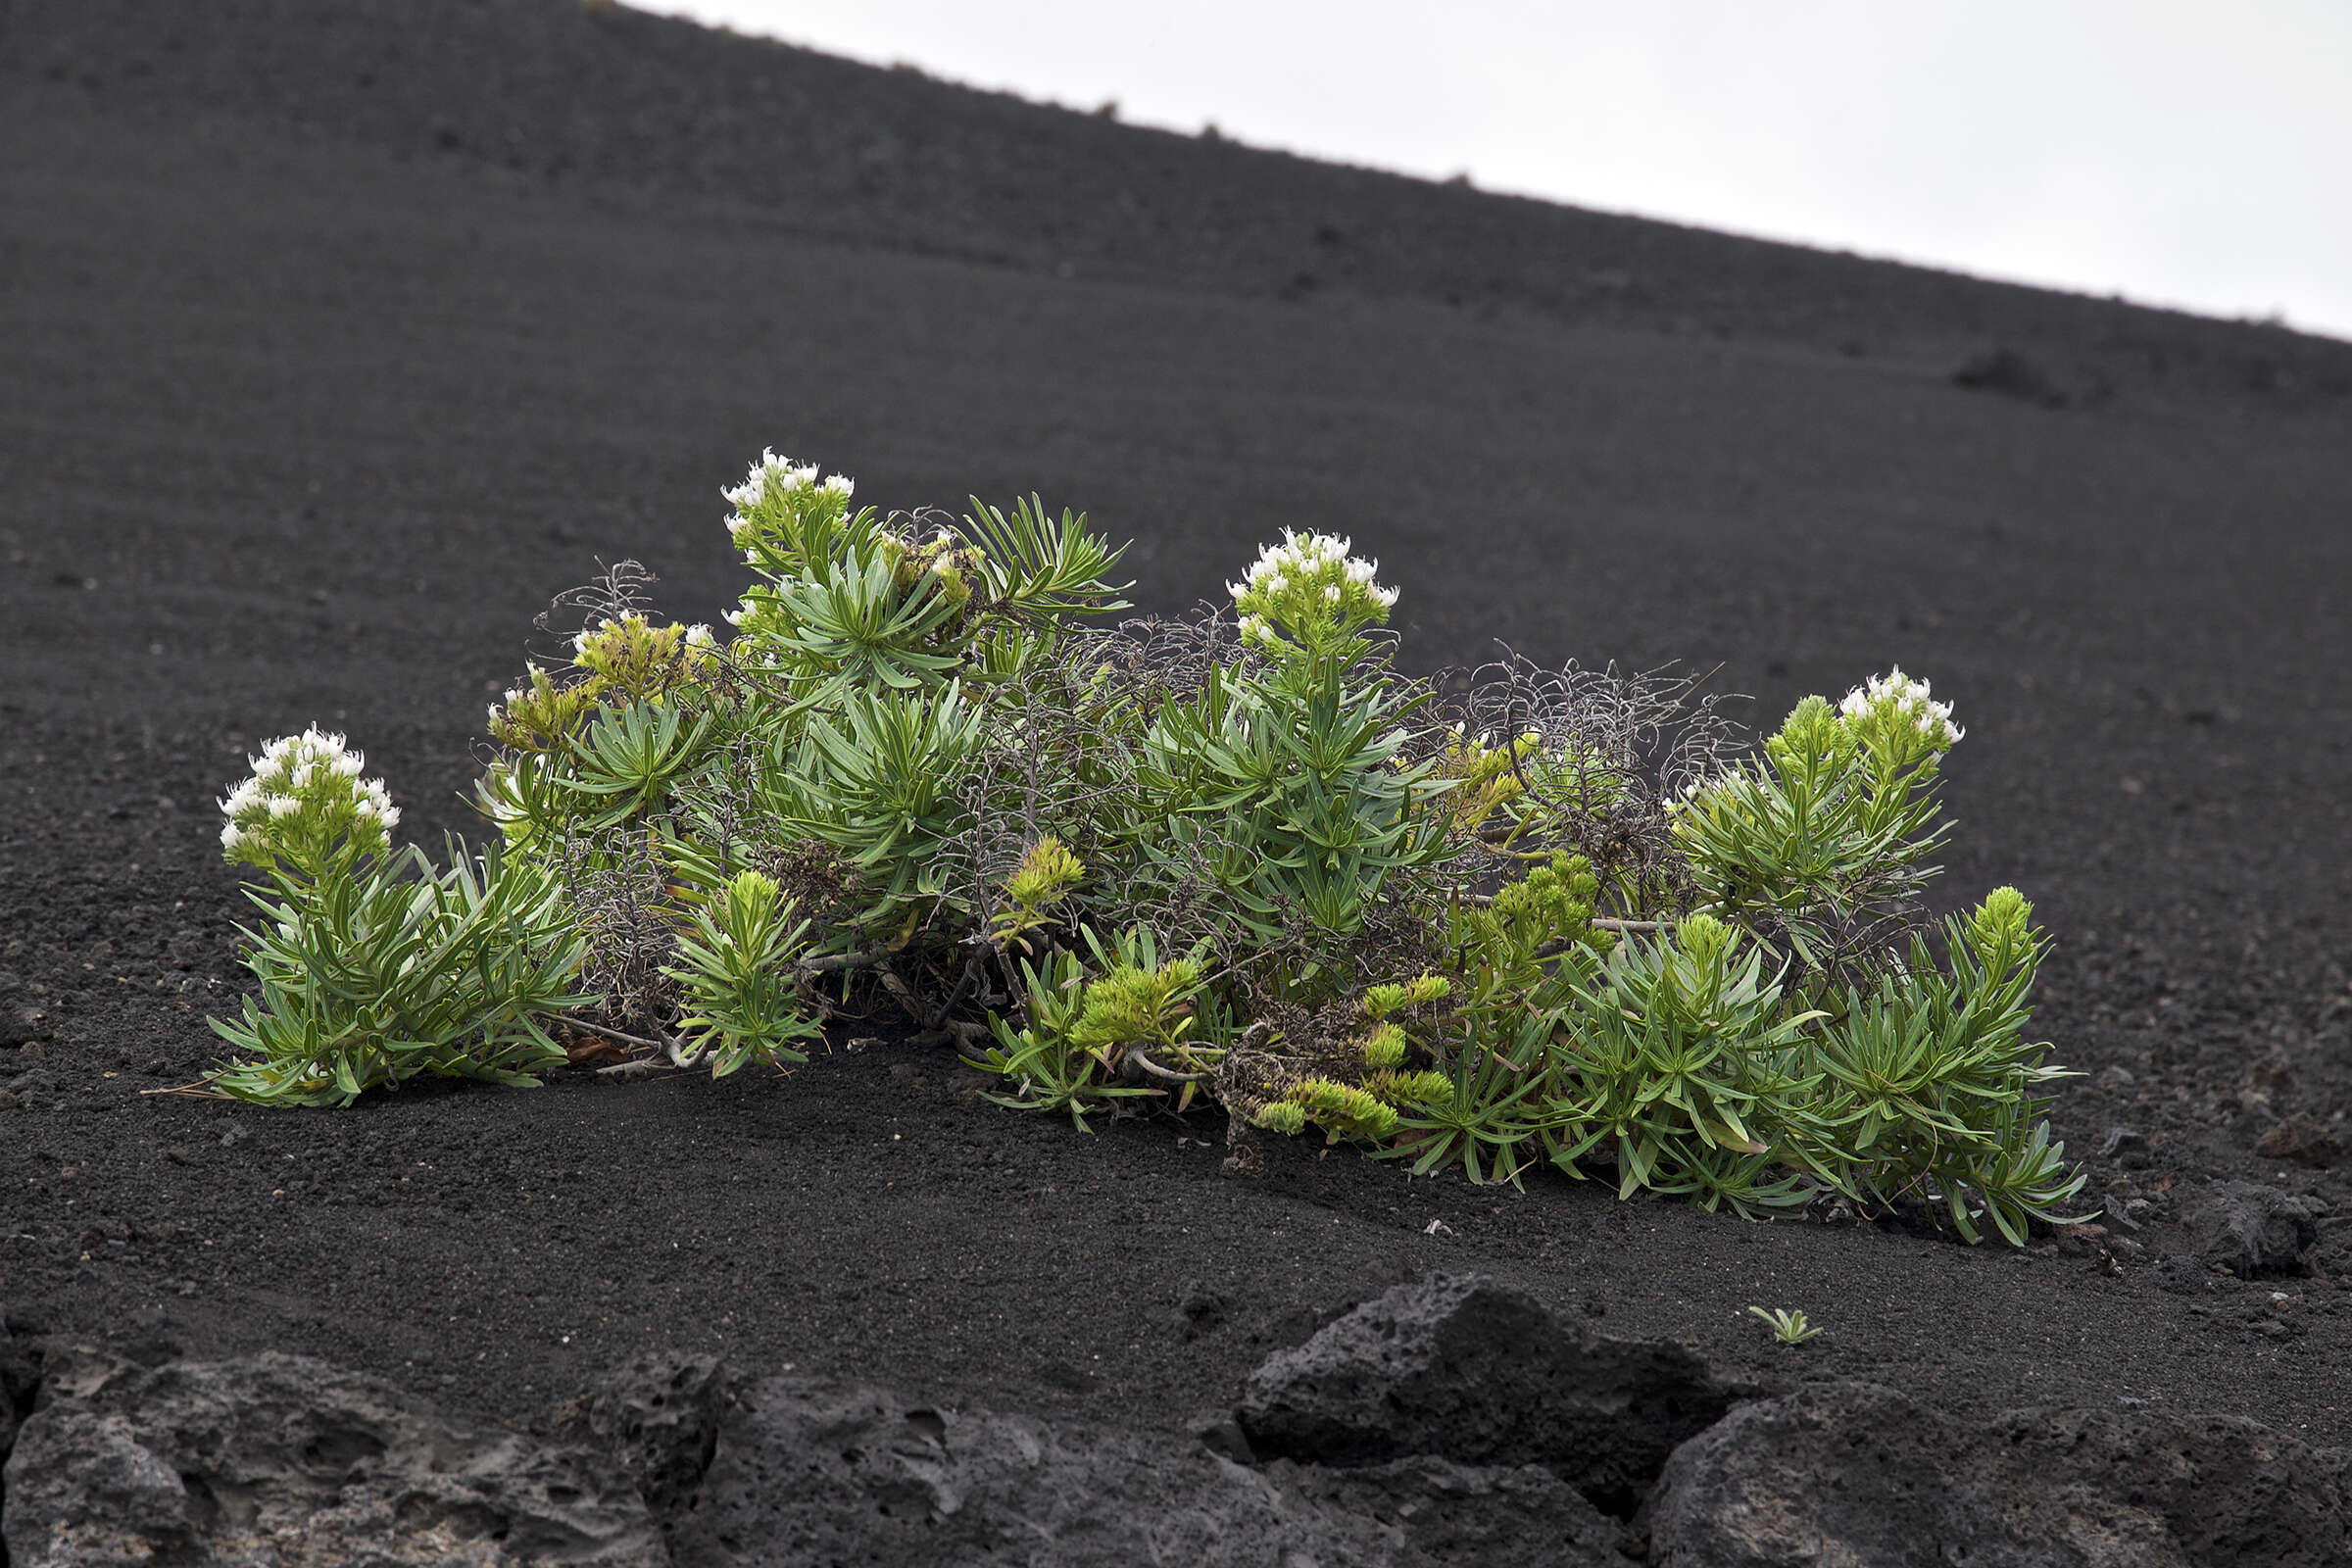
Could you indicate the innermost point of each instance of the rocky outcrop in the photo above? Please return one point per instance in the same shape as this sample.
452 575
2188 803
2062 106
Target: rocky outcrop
658 1416
1471 1370
1451 1421
1852 1473
810 1472
2250 1230
275 1459
1496 1516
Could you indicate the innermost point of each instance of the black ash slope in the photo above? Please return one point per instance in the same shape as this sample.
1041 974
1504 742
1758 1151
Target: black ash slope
297 425
595 94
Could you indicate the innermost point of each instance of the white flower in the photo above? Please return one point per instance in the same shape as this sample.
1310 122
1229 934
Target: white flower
494 707
841 484
733 618
1903 698
699 635
389 815
1385 597
283 806
231 836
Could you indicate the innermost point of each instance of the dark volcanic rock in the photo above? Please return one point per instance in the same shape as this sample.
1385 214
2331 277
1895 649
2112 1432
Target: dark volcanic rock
1470 1370
2301 1141
812 1472
2005 372
1496 1516
1850 1472
659 1417
2249 1228
278 1459
19 1380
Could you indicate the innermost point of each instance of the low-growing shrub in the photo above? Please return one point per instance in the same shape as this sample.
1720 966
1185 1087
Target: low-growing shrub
1496 922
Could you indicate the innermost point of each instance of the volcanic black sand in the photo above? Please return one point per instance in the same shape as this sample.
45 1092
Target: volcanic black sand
338 339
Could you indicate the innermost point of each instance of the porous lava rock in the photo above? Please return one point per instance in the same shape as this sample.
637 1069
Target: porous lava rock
2249 1228
659 1417
1851 1472
1496 1516
810 1471
272 1459
1468 1369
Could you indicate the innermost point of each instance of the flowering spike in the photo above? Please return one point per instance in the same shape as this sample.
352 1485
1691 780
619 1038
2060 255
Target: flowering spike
1310 590
306 805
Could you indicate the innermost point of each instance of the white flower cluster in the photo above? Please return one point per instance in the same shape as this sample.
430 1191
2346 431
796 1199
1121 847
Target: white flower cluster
306 787
1897 699
786 477
1307 580
516 694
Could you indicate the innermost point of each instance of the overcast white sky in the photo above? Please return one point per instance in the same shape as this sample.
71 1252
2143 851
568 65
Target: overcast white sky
2193 153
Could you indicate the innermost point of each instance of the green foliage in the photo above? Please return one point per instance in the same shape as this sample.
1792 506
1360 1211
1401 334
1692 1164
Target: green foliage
1296 772
1483 1114
1788 1326
738 978
617 764
375 974
1384 1047
1679 1055
1387 999
1348 1111
874 779
1137 1002
1285 1117
1824 844
1505 944
1241 860
1044 1059
1046 875
1932 1079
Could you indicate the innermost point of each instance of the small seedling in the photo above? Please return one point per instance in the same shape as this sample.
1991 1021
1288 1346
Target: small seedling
1788 1327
